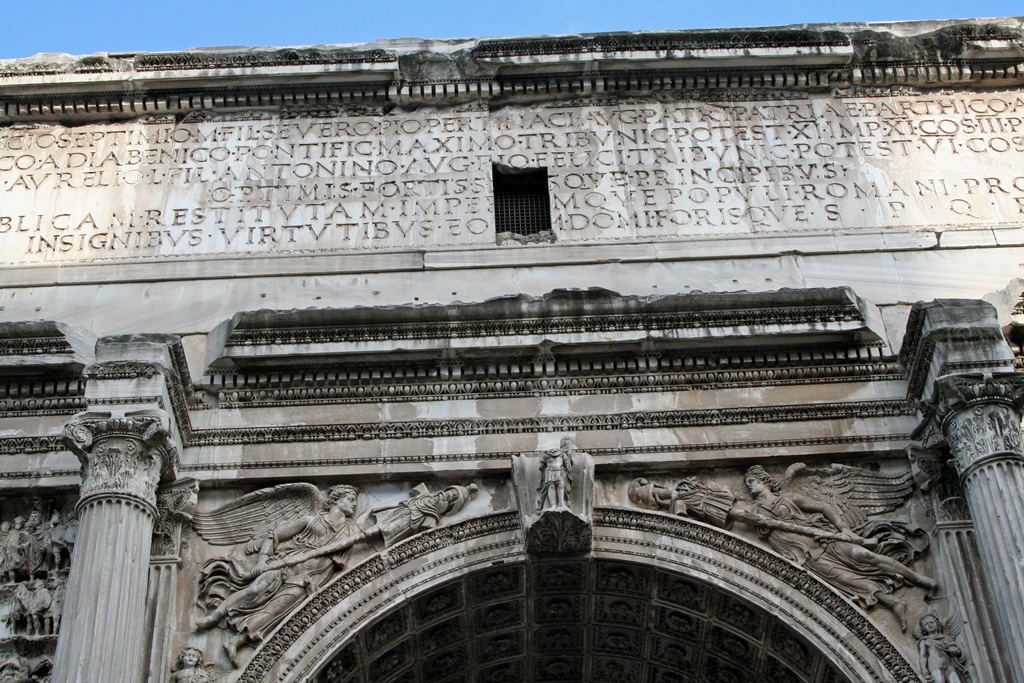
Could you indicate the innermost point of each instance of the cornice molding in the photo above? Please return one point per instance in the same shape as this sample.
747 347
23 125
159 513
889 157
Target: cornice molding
564 319
667 419
803 58
951 336
675 41
226 59
400 383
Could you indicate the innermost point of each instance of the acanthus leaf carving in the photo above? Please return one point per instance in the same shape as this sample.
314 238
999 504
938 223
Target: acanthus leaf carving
175 506
124 454
980 416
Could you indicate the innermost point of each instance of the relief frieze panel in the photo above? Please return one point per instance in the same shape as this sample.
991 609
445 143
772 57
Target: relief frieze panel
667 167
286 543
847 525
37 539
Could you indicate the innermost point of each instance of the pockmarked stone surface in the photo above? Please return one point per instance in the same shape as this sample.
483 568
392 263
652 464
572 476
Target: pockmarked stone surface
552 359
260 182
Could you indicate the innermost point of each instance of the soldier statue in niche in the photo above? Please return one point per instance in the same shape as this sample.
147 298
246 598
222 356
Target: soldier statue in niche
556 481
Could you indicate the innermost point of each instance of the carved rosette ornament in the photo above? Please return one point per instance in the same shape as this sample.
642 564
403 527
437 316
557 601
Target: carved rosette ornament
123 455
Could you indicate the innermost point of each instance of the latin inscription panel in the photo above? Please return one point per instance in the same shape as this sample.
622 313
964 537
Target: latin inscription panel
259 183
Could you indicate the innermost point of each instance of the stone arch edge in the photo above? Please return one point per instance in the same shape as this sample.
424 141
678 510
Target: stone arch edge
310 637
854 644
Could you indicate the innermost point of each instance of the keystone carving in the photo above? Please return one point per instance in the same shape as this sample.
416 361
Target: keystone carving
302 537
819 519
121 454
555 491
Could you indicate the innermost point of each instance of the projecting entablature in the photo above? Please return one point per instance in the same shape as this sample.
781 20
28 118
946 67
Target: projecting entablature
563 324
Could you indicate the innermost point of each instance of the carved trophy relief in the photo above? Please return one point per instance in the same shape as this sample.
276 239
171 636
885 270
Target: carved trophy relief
825 520
301 538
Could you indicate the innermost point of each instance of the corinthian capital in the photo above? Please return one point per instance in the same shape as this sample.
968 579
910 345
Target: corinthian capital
980 416
122 454
954 393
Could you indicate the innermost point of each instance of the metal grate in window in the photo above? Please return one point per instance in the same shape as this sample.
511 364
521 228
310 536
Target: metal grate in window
522 207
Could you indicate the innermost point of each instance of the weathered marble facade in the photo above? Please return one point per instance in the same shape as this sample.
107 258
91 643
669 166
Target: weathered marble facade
662 357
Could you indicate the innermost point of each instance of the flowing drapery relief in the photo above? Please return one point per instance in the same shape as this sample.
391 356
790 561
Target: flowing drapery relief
301 538
828 521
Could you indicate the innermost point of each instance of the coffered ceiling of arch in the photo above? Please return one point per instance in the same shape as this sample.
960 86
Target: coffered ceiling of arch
565 621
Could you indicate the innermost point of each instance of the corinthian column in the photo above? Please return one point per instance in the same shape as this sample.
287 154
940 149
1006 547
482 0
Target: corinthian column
126 442
960 373
123 457
980 417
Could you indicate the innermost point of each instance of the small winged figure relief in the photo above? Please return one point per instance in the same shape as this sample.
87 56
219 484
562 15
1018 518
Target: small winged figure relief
941 659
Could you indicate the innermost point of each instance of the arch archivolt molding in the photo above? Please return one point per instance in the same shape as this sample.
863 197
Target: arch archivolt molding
840 631
310 636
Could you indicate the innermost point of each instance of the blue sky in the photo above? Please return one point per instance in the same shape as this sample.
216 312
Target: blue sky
84 27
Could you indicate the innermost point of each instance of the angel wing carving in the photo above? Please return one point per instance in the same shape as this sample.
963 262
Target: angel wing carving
857 493
256 515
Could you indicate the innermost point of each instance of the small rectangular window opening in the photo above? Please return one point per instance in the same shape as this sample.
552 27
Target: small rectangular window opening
522 206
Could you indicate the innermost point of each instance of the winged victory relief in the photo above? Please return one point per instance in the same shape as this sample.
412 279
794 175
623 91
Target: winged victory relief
825 520
301 537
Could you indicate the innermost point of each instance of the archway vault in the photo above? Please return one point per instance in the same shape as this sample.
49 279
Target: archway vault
661 600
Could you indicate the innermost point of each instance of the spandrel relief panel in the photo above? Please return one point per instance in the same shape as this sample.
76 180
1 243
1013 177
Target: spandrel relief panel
299 181
254 557
865 531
